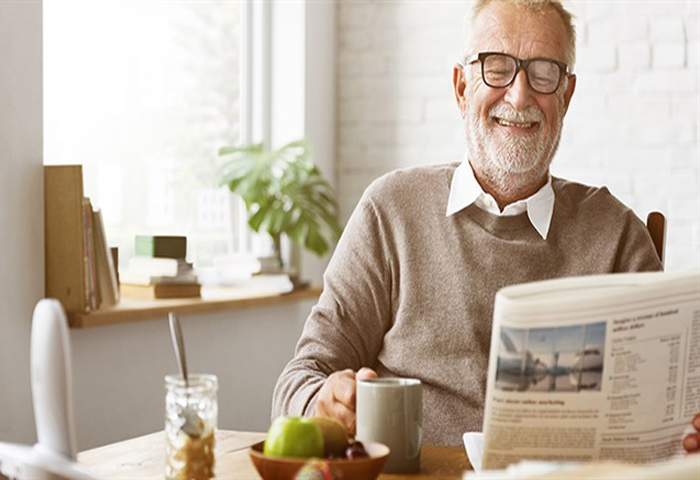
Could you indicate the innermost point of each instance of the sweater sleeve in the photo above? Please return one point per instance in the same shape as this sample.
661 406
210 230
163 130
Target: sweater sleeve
636 252
346 328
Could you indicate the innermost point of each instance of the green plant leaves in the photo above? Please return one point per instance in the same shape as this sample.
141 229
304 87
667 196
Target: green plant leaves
284 192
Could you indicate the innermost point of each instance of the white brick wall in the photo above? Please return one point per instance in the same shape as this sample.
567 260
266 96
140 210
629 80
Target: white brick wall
633 123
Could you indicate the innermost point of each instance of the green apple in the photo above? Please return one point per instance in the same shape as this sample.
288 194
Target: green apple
294 437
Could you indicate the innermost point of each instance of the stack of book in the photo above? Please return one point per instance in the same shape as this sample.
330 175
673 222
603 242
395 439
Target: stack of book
101 272
244 271
80 271
159 269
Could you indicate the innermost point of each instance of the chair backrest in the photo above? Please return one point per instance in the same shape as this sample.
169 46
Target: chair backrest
656 224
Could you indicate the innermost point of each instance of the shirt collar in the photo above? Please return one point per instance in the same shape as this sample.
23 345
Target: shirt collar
465 190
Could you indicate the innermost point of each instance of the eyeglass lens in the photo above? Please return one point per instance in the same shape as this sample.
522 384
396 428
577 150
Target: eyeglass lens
500 70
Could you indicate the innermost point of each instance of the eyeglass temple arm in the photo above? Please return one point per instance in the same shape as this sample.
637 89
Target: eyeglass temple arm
471 59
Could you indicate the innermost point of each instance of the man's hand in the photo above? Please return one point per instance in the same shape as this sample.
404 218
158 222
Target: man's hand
691 442
337 396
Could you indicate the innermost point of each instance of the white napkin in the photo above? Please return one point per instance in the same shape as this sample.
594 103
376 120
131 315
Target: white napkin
474 445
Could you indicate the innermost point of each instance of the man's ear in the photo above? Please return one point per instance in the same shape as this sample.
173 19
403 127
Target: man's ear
460 85
570 87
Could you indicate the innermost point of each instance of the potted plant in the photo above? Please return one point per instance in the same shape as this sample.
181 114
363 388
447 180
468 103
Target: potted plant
284 193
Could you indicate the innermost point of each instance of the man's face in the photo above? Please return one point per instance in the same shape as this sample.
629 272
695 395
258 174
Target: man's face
513 133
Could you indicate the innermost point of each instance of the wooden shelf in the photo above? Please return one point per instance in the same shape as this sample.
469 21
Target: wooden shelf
213 300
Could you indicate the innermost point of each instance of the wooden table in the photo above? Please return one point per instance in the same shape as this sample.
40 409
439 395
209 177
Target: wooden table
144 458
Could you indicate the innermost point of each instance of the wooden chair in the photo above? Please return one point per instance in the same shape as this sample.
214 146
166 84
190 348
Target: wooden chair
656 224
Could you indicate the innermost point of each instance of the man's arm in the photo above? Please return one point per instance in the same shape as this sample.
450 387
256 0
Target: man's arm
636 252
345 331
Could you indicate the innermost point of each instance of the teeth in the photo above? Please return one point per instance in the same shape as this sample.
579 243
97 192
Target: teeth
506 123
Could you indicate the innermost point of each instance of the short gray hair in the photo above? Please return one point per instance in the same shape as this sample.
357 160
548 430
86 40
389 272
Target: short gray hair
539 6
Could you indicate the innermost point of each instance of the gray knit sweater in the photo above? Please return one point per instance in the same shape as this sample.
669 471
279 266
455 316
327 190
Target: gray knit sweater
410 291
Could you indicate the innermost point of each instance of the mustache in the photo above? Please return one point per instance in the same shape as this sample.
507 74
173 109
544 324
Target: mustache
506 112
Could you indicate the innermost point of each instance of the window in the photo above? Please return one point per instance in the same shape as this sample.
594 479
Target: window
143 94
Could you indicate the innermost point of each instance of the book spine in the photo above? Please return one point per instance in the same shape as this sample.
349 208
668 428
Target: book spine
90 262
162 291
109 290
65 240
151 266
159 246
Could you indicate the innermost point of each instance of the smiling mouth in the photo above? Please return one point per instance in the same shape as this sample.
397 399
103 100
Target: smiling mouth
510 123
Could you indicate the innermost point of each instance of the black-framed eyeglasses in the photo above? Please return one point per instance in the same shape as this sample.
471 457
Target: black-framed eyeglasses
498 70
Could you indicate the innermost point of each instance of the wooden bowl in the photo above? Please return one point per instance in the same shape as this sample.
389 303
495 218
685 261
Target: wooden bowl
285 468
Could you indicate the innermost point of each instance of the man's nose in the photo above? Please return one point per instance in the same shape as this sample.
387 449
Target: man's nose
519 94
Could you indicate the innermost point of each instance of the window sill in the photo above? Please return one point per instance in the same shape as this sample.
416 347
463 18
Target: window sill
131 310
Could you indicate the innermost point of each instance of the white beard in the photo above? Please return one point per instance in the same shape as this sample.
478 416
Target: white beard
508 162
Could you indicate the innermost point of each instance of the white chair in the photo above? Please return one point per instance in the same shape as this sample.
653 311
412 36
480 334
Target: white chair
53 457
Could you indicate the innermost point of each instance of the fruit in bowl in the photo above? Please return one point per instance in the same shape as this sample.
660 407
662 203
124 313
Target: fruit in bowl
294 437
276 458
318 470
335 436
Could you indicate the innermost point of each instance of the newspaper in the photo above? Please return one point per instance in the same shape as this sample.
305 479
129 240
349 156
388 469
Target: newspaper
593 368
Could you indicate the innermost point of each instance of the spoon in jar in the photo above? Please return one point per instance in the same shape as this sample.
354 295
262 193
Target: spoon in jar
192 423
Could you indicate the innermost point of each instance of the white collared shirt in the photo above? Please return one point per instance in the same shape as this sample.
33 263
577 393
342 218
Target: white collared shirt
465 190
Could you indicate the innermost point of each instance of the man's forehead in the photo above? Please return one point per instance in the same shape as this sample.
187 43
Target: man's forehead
519 31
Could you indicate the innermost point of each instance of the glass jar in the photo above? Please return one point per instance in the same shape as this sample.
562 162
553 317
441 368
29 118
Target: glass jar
190 425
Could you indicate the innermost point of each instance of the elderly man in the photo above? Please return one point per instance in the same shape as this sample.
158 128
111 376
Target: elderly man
409 291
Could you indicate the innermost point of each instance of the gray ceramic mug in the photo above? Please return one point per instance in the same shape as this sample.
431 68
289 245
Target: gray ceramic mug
390 411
